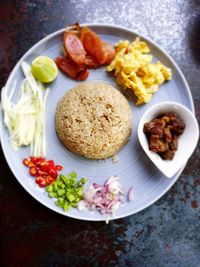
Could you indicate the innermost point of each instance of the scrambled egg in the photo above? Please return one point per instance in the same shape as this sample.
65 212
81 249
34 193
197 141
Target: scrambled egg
133 69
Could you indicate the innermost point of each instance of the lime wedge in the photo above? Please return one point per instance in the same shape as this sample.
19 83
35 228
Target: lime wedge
44 69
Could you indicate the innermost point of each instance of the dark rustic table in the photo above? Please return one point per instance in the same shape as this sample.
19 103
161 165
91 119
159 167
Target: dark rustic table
165 234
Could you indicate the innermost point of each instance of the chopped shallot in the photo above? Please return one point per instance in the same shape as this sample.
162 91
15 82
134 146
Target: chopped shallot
130 194
115 159
107 198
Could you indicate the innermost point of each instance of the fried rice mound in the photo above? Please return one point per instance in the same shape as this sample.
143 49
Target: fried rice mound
93 120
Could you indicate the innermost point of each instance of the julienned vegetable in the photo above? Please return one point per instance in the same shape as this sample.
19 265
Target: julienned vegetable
66 190
106 199
25 119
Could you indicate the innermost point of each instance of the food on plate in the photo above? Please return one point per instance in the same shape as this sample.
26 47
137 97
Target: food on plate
96 47
72 69
134 70
66 190
130 194
44 69
83 49
162 134
105 198
74 47
44 170
115 159
26 119
93 120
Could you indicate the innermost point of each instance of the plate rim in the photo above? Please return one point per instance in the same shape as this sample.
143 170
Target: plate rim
105 25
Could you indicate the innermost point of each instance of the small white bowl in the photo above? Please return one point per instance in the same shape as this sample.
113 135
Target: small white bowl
187 141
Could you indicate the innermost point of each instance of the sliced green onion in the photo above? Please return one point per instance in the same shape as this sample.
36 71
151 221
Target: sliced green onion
66 190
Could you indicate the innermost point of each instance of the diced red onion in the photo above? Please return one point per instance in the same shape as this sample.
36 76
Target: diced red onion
130 194
106 198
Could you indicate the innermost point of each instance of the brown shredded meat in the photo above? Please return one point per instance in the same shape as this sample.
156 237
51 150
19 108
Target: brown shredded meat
162 134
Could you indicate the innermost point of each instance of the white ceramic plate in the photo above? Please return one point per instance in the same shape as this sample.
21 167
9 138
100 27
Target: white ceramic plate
134 168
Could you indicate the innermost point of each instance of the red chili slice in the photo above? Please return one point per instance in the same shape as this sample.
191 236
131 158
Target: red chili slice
59 168
36 159
33 171
41 173
33 159
51 162
44 170
41 181
53 173
49 179
44 166
39 162
74 48
31 164
26 162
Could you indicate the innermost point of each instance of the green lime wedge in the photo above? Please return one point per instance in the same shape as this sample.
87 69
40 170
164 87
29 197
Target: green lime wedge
44 69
